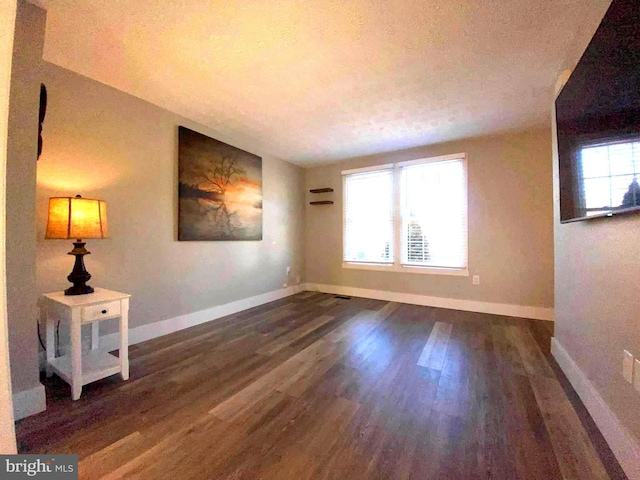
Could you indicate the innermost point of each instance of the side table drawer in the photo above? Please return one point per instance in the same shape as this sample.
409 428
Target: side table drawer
103 310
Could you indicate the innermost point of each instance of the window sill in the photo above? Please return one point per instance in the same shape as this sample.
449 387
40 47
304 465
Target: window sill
456 272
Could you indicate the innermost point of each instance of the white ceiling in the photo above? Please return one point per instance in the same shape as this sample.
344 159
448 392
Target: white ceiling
317 81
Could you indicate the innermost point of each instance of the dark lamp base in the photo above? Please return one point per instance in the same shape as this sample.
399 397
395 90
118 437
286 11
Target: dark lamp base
79 276
78 290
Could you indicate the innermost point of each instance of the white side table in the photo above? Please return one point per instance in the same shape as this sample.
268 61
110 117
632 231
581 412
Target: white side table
77 369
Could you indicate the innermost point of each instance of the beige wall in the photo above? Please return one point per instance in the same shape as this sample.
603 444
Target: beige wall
7 24
510 224
102 143
596 293
598 304
21 194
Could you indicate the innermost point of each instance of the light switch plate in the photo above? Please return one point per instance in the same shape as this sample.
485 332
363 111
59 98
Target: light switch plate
627 366
636 375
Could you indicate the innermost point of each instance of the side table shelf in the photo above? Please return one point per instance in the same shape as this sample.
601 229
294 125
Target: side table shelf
95 365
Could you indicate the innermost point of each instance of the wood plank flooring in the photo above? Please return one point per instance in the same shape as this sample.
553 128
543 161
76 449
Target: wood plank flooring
315 387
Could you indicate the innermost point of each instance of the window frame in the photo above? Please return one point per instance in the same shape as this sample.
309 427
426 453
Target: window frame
397 265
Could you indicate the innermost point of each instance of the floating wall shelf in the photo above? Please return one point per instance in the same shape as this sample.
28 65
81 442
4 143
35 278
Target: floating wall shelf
321 190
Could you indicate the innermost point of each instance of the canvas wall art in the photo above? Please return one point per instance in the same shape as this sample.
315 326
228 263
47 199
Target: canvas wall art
219 191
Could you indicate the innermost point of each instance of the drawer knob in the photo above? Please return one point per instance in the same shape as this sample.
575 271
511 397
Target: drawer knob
104 311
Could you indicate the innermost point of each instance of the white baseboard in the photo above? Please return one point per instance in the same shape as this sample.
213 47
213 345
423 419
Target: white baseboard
622 443
538 313
29 402
165 327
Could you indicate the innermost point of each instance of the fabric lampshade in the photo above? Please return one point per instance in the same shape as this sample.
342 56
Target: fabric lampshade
76 217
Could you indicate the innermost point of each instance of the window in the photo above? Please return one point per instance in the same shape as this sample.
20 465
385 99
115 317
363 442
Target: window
368 217
610 176
410 216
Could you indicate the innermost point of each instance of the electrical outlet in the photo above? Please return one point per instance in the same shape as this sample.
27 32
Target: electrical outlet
636 375
284 285
476 279
288 270
627 366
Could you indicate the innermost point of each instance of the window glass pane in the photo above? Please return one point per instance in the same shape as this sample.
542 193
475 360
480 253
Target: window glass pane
434 214
595 162
597 193
623 191
621 159
368 217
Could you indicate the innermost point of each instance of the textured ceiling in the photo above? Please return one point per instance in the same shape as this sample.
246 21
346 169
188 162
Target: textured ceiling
316 81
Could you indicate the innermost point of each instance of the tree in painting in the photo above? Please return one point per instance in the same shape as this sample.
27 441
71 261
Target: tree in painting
220 190
218 172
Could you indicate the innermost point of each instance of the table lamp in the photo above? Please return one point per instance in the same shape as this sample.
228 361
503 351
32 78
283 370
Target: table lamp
77 218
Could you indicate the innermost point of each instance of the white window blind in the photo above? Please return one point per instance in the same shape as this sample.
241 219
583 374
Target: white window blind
368 217
434 214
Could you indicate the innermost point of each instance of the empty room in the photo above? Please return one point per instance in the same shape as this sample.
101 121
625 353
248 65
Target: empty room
320 239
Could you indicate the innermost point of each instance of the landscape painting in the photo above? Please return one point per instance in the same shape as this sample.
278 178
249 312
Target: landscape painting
219 190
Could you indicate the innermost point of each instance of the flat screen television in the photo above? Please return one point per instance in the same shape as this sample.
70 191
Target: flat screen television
598 121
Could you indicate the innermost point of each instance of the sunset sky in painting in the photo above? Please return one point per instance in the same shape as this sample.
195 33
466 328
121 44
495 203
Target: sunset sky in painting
245 191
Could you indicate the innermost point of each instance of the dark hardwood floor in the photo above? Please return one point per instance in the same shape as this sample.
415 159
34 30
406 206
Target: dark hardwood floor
314 387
